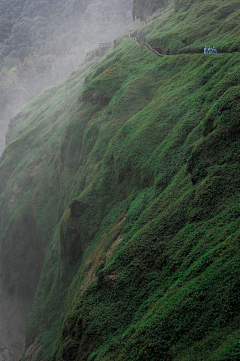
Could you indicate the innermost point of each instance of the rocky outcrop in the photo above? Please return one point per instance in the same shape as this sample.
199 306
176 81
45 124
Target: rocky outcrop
32 351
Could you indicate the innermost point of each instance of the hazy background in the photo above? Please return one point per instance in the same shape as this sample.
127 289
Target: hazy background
42 41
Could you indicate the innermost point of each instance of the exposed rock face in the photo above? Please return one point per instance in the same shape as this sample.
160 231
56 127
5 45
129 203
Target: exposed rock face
32 351
77 208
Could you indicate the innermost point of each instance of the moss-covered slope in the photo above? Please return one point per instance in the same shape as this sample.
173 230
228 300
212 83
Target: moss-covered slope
120 189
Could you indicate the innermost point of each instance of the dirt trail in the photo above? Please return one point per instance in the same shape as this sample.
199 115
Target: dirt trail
153 50
132 35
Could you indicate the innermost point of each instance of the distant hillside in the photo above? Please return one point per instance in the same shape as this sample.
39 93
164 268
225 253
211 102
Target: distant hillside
48 27
41 42
119 202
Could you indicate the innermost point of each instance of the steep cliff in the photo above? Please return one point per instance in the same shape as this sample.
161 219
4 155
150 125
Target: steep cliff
120 215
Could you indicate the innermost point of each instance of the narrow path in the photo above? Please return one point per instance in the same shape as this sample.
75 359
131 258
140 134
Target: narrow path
153 50
132 35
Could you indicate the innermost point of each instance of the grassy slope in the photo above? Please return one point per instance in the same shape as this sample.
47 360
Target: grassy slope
145 262
201 22
170 289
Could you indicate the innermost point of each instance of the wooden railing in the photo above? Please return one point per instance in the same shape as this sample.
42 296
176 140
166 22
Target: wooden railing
133 35
105 45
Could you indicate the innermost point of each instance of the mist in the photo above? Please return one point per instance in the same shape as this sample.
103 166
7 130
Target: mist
42 43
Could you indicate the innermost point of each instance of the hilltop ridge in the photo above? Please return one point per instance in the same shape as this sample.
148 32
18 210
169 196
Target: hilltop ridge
119 205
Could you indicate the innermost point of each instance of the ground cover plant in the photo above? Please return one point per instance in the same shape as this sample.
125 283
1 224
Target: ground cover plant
200 23
121 184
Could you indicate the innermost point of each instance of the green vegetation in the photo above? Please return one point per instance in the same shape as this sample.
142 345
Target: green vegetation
120 197
201 23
